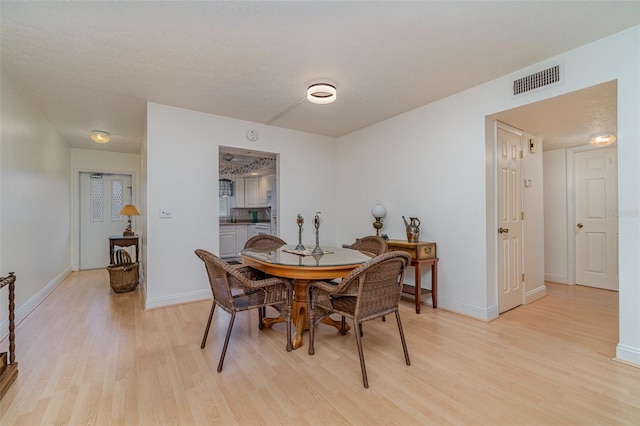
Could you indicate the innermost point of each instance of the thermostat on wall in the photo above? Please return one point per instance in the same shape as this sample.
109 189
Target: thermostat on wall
252 135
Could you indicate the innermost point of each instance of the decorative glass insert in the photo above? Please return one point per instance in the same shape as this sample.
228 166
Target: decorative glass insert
96 198
116 200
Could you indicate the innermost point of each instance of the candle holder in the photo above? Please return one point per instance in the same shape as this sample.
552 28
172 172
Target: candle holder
316 224
317 258
300 221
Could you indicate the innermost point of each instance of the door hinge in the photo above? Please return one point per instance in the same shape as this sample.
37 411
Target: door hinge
521 154
521 215
522 277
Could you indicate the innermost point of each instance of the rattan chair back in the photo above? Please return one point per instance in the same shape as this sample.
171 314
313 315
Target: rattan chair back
264 241
371 244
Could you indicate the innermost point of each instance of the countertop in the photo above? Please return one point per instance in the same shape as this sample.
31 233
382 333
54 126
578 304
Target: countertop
263 222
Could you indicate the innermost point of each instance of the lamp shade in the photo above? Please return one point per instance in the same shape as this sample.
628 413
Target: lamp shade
378 210
129 210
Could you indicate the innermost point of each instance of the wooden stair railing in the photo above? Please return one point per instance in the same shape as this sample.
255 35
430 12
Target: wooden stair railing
9 371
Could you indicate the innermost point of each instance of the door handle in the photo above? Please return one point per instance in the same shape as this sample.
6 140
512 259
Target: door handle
503 230
580 225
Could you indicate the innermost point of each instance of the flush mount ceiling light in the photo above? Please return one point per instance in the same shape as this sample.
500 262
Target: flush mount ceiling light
602 139
100 136
321 93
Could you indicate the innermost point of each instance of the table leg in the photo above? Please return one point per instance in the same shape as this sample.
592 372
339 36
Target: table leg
418 284
111 247
299 314
300 320
434 283
268 322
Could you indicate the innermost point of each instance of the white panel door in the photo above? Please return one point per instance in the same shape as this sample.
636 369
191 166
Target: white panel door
596 218
510 288
101 198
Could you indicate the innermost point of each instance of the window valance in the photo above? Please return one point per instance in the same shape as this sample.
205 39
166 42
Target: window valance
226 187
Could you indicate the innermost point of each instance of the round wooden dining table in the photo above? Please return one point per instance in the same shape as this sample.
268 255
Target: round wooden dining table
335 262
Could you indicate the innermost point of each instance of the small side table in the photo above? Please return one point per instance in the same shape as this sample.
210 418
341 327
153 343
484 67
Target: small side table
422 253
122 241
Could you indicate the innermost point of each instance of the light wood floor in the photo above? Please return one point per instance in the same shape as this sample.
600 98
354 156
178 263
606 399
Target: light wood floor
89 356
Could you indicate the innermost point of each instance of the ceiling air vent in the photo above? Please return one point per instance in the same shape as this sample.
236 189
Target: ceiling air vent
537 80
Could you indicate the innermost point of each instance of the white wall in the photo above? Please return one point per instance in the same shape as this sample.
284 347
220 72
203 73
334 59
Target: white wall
34 202
87 160
555 216
435 162
533 224
181 172
431 163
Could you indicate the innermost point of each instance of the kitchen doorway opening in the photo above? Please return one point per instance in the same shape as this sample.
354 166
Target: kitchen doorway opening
248 197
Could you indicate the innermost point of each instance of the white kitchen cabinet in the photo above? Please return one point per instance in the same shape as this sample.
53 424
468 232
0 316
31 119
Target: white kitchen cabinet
251 231
241 237
239 192
251 192
228 244
267 183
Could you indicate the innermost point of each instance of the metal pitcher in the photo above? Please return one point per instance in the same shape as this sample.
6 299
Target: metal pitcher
413 229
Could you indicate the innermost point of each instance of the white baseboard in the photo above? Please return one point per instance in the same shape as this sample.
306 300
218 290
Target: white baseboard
628 355
535 294
476 312
23 311
555 278
176 299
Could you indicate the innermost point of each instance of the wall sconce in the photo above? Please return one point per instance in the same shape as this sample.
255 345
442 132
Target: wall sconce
602 139
129 210
100 136
378 211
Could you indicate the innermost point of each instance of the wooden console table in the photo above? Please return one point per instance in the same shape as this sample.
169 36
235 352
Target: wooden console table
421 254
122 241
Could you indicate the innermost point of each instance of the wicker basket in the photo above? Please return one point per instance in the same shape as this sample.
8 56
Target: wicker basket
123 277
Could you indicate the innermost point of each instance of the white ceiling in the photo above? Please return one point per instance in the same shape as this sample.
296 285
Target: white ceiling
94 64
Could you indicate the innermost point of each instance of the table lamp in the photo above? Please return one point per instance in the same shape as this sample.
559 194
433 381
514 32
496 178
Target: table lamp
129 210
378 211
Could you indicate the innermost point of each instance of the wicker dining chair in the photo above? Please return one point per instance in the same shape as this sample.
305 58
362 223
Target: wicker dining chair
368 292
264 241
267 243
237 289
371 244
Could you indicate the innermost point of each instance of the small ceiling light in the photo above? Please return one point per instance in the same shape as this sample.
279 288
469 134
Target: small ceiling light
321 93
602 139
99 136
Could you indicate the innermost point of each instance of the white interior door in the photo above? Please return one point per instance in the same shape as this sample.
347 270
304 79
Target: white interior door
102 196
510 287
596 218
